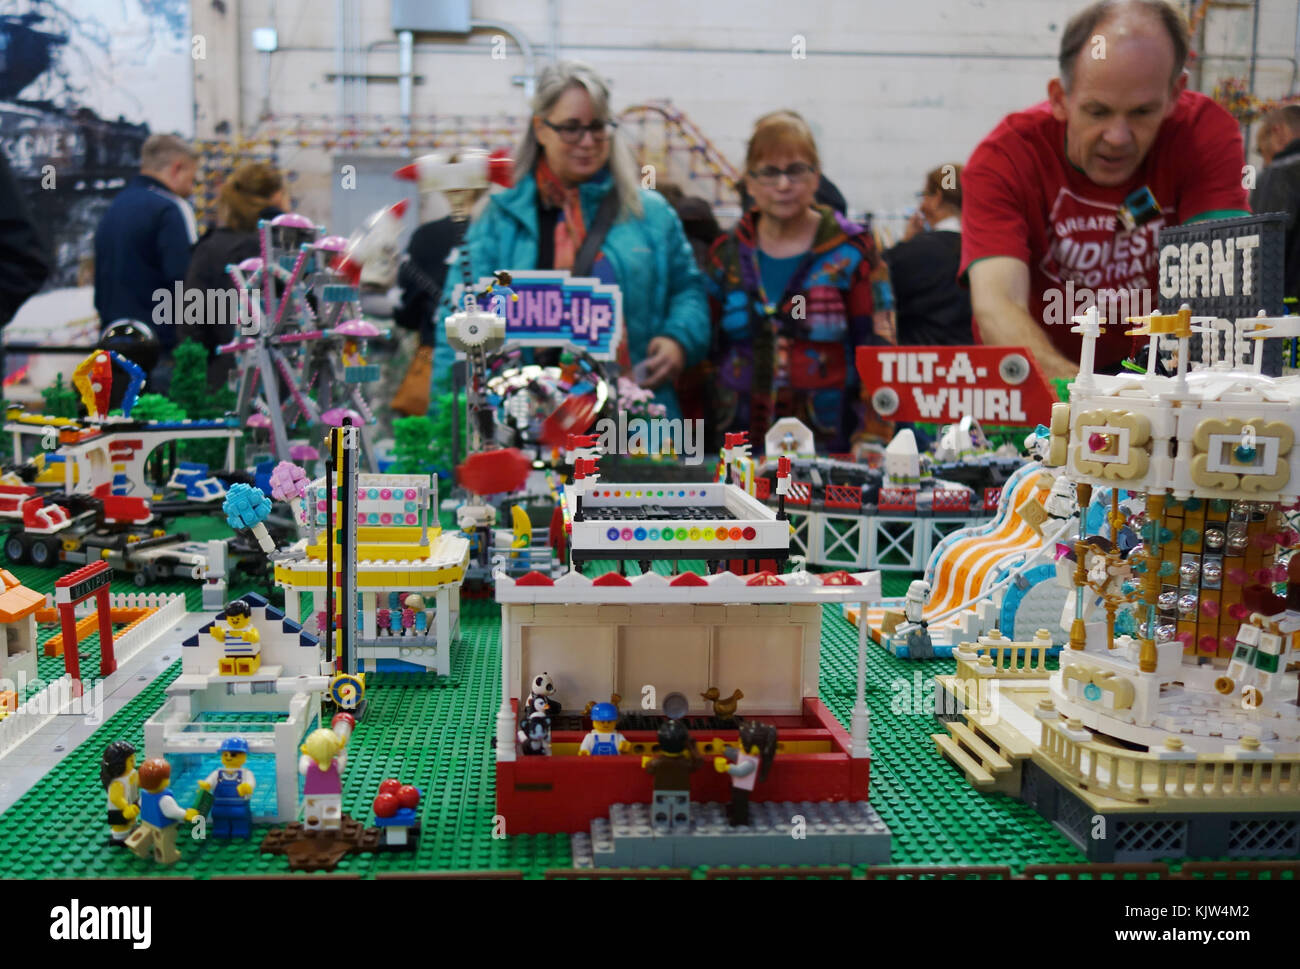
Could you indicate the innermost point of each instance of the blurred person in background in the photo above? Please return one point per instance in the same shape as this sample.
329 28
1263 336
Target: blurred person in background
143 241
932 306
577 205
793 288
254 191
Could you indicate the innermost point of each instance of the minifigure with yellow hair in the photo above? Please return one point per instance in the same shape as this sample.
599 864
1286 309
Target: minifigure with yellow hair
323 758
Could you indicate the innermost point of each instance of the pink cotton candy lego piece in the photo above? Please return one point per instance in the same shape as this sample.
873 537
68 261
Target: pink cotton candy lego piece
288 481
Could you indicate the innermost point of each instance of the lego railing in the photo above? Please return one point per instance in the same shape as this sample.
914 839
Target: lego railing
168 611
1004 660
800 493
843 496
992 497
897 499
1156 779
950 499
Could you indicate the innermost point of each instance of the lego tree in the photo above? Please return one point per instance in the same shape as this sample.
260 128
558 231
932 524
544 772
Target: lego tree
190 392
60 399
156 407
189 384
415 450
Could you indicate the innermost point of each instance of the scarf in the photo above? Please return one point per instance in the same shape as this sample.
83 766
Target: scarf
570 230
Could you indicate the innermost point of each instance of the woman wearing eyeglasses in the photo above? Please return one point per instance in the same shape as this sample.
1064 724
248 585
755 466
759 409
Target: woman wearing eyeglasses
792 293
575 177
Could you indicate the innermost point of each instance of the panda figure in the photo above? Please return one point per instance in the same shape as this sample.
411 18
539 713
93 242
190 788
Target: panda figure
541 698
535 736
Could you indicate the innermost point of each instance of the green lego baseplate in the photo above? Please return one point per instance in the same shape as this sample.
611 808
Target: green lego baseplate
437 732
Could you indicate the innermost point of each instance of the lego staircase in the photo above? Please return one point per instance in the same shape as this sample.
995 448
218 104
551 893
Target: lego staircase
991 763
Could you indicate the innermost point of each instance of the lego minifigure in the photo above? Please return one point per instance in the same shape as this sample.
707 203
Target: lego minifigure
231 786
746 765
919 645
671 766
604 739
541 697
122 784
159 813
243 654
535 736
322 762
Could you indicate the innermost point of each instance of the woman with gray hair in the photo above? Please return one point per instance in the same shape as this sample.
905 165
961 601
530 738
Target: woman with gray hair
575 179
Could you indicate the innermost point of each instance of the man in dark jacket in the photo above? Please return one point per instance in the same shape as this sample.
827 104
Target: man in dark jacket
933 308
1279 184
143 242
24 263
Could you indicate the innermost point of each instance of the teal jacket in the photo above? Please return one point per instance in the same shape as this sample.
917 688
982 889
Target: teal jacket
663 290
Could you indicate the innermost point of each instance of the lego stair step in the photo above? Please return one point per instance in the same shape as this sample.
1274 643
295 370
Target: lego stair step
976 775
968 738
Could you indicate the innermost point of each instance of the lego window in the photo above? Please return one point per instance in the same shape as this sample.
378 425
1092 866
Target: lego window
1230 454
1112 444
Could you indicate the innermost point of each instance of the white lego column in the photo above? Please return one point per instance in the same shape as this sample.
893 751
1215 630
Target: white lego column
1089 326
292 605
860 720
505 716
286 769
442 623
368 629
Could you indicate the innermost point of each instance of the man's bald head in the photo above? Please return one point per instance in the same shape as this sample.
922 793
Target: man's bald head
1097 26
1121 76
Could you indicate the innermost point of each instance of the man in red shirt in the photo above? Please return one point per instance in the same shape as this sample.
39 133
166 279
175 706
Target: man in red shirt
1063 200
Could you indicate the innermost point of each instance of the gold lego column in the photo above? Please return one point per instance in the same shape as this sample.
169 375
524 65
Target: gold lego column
1151 584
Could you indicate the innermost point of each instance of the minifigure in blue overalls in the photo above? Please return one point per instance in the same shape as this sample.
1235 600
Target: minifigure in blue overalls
604 739
232 787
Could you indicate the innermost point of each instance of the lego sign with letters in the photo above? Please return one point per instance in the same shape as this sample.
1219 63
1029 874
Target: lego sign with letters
997 385
1227 269
548 308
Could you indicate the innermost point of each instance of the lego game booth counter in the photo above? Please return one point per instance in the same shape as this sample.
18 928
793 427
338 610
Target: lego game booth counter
646 637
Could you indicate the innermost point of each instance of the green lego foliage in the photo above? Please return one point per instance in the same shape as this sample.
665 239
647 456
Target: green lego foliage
156 407
191 393
60 399
415 449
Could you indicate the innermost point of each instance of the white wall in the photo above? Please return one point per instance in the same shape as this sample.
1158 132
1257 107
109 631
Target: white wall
892 88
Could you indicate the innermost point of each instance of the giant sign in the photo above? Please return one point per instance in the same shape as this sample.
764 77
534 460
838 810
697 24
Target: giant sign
1228 269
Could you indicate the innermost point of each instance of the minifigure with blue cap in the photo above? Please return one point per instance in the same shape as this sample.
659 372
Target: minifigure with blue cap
604 739
231 786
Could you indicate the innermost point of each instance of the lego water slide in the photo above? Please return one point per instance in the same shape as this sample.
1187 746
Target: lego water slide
971 562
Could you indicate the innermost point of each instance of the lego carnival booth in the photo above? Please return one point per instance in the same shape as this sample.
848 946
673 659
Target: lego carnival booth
513 441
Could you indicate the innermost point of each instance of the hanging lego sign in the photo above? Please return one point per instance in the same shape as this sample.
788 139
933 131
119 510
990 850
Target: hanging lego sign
1228 270
548 308
998 385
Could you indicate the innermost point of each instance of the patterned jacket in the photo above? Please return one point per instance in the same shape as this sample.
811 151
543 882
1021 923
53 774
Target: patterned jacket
792 354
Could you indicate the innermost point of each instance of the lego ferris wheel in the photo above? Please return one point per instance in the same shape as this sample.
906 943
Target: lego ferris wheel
301 345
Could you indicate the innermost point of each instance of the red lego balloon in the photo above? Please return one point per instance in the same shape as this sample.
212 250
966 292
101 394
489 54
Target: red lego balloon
390 786
573 416
386 805
492 472
408 796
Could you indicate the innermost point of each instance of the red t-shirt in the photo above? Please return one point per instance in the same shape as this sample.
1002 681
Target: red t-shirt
1022 198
